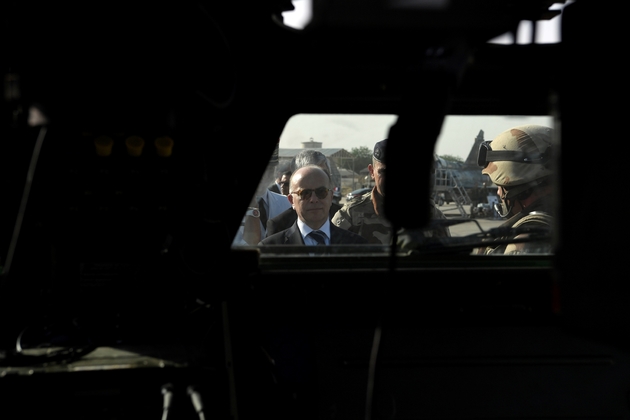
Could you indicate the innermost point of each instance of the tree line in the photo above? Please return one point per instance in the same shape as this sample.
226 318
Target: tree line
362 156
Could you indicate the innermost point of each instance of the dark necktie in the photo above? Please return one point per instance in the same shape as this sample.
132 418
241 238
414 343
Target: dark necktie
318 236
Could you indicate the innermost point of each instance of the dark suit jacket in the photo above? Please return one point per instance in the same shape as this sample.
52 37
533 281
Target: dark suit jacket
274 187
292 236
285 219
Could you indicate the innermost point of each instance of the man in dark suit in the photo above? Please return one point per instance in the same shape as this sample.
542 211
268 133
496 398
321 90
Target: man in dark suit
288 217
275 187
311 197
281 183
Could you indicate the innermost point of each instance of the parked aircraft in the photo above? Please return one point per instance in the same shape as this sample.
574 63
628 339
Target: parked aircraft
461 183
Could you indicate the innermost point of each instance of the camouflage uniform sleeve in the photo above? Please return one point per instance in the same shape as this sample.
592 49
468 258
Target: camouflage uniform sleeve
342 218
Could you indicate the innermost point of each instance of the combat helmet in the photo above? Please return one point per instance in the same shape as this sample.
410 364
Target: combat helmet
517 159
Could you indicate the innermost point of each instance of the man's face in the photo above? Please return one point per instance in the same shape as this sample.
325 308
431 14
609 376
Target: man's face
284 185
312 210
377 172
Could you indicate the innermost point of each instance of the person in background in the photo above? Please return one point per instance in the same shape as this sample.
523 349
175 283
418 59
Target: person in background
276 185
254 225
365 215
284 182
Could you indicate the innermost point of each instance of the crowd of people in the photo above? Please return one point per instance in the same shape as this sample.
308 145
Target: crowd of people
298 208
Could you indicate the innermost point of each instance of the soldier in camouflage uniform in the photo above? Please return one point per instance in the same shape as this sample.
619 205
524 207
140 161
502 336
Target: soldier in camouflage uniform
518 161
365 215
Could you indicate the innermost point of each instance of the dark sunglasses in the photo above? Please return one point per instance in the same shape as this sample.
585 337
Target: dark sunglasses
487 155
305 194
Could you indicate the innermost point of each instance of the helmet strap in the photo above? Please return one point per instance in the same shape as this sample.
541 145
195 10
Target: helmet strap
505 207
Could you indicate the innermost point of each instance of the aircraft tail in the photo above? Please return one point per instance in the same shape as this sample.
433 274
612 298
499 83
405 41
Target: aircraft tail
471 160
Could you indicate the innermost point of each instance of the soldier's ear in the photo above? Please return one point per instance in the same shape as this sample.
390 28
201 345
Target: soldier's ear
371 169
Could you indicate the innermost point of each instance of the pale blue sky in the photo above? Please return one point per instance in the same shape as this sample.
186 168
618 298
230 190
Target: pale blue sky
349 131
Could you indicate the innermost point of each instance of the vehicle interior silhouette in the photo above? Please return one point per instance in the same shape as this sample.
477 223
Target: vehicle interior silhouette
135 136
